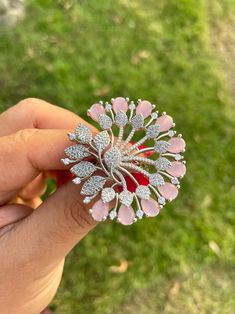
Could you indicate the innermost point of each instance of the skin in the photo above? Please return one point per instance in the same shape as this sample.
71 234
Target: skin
35 236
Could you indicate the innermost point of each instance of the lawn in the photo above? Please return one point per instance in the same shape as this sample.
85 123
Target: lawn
73 53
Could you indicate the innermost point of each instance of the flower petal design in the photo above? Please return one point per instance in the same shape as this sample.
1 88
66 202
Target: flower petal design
93 185
96 111
145 108
100 211
161 147
165 122
153 131
142 191
120 104
107 195
101 140
177 169
150 207
105 122
168 190
137 121
77 152
177 145
83 133
121 119
126 198
126 215
156 179
83 169
162 163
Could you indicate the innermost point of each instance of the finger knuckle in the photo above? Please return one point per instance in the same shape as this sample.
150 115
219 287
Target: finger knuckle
25 135
26 103
77 216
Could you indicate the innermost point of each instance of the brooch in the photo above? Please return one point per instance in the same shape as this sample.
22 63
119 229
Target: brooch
132 178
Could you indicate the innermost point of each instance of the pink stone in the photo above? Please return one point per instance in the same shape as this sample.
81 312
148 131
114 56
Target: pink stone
126 215
120 104
177 145
99 210
95 111
169 191
165 122
150 207
177 169
144 107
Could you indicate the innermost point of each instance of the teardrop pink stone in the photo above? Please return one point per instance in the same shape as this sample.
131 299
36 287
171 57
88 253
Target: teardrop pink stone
168 190
126 215
165 123
150 207
177 169
144 107
95 111
120 104
177 145
99 210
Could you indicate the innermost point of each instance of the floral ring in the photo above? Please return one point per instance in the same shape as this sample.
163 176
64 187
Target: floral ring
137 180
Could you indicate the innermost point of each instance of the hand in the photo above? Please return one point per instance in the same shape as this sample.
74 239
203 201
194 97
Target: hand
35 237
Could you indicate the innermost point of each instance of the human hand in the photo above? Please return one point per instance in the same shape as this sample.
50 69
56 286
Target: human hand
35 237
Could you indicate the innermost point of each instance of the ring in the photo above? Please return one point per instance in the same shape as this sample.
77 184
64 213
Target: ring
133 178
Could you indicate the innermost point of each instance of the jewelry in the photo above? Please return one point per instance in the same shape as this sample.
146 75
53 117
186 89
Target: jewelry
132 180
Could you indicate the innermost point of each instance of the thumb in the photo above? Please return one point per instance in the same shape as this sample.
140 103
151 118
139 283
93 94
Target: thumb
54 228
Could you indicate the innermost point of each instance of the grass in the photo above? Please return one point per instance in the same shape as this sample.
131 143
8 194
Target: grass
73 53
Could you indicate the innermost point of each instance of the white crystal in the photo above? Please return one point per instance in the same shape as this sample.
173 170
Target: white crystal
161 147
108 106
139 214
171 133
76 180
107 195
112 157
105 121
162 163
156 179
72 136
132 106
174 180
178 157
153 131
161 200
93 185
83 169
126 197
87 200
83 133
137 121
113 214
154 115
101 140
77 152
143 192
65 161
121 119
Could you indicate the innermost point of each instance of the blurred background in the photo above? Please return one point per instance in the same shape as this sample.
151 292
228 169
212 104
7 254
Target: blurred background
179 54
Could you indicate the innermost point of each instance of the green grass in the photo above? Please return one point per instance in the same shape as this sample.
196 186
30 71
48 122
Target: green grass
72 53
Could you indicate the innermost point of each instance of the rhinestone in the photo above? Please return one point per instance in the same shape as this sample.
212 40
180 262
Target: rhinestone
156 179
137 121
132 106
154 115
143 192
93 185
139 214
126 198
108 106
83 133
121 119
178 157
153 131
107 195
162 163
65 161
72 136
105 121
161 200
83 169
113 214
171 133
112 157
77 152
87 200
174 180
101 140
76 180
161 147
